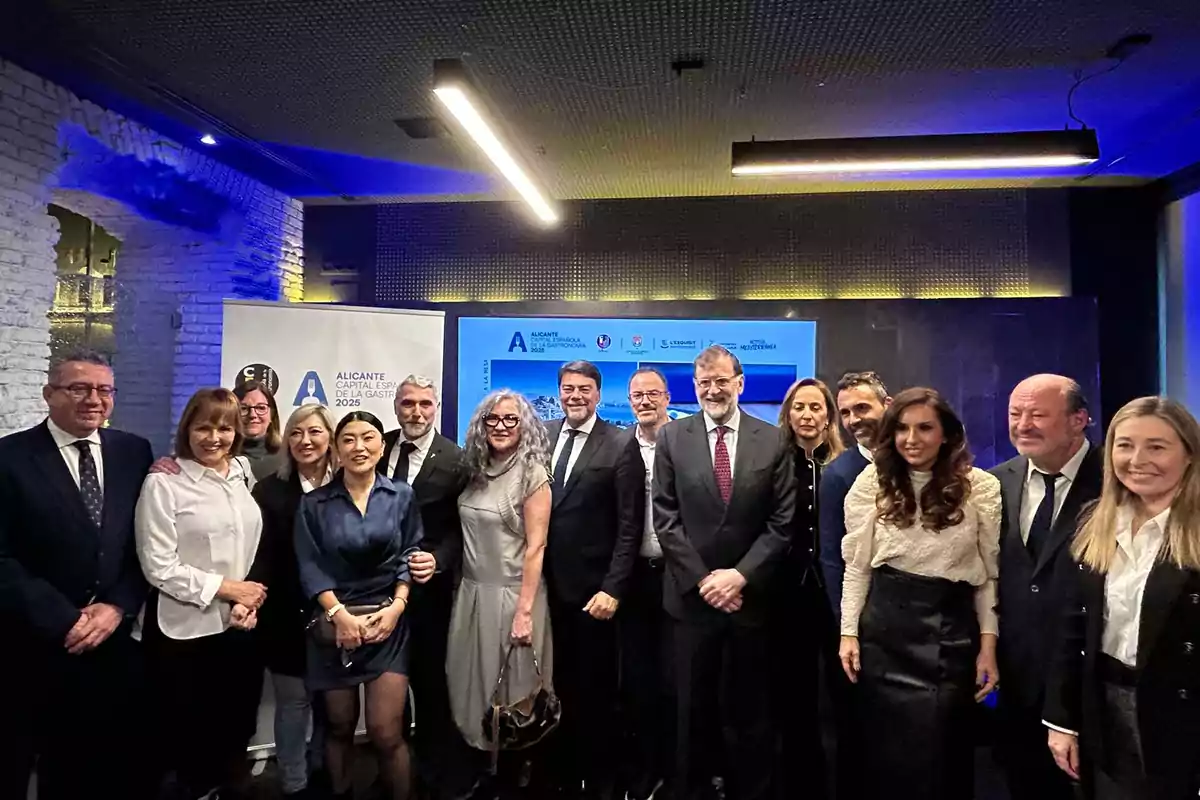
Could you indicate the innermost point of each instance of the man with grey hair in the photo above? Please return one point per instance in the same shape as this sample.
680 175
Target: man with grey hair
417 454
1043 490
70 589
723 498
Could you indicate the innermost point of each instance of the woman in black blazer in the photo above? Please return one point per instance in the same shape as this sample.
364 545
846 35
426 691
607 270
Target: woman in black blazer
309 462
1123 700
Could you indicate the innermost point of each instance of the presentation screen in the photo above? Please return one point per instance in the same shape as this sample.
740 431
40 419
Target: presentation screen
524 354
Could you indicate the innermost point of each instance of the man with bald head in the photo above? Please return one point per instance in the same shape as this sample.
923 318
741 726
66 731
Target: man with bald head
1055 474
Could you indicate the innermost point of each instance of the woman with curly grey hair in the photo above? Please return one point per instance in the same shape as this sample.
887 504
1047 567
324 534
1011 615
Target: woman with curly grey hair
505 512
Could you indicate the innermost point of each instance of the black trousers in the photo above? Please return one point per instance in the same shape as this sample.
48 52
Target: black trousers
647 680
585 678
723 671
82 719
1025 757
438 748
207 692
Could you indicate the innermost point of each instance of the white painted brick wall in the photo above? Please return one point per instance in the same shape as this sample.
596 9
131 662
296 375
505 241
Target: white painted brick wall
170 280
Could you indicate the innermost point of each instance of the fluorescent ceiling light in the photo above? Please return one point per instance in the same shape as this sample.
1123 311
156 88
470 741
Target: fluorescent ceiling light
455 93
1033 149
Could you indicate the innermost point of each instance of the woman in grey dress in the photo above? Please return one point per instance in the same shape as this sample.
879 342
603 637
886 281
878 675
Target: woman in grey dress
505 512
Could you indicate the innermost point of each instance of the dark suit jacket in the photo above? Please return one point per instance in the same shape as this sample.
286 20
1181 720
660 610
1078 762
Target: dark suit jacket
587 551
836 480
631 493
1030 594
53 560
1168 675
699 533
437 486
284 615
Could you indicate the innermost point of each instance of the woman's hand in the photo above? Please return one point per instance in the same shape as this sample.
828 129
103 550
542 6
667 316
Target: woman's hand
243 618
522 628
382 624
987 673
1065 747
351 630
246 593
848 653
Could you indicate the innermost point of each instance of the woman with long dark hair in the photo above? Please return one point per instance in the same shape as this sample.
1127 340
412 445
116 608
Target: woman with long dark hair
1123 699
353 539
919 620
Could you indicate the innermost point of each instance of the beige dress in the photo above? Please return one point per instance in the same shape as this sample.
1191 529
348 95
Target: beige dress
493 564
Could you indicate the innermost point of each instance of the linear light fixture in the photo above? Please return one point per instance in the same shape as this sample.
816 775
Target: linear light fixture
970 151
453 88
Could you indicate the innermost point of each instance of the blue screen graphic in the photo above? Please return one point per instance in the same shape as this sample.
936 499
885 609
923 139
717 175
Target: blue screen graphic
524 354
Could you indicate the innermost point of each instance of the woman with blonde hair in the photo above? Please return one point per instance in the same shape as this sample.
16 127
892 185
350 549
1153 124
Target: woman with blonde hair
308 463
1123 700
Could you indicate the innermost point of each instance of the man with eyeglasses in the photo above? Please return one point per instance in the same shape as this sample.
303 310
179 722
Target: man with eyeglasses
724 495
70 588
643 624
588 563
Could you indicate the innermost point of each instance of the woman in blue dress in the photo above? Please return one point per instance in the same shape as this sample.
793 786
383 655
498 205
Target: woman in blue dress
354 537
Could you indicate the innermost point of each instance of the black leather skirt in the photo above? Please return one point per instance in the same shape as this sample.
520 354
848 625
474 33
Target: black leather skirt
918 638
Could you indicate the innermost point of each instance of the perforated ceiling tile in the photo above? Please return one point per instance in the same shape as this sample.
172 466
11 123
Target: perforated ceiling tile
586 91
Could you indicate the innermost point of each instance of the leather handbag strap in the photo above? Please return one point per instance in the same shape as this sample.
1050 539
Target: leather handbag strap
537 668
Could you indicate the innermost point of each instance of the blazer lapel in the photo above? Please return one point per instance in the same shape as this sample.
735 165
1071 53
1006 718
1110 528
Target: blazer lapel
1162 590
1012 485
112 479
432 462
699 456
389 443
591 443
747 443
51 462
1066 522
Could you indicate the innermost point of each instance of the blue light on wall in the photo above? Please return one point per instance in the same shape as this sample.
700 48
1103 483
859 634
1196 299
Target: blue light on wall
1180 301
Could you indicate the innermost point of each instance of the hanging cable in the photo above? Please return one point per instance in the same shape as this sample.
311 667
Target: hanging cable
1119 53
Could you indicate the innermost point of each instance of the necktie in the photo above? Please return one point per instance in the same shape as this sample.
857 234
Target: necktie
564 458
89 483
401 473
722 470
1043 518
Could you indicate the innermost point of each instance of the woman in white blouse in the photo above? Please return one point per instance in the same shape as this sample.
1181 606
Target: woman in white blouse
197 533
918 602
1123 699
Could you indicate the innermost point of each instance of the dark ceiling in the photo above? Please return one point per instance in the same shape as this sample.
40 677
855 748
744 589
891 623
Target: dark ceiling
586 92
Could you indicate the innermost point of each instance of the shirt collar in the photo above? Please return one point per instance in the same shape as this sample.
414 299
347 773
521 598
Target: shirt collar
64 440
585 428
195 470
732 423
866 453
422 442
1070 469
1125 521
337 487
642 440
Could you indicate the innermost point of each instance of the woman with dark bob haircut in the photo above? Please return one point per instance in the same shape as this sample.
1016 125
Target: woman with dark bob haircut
919 620
354 536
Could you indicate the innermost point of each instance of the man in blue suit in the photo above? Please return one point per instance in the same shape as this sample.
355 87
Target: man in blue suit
70 588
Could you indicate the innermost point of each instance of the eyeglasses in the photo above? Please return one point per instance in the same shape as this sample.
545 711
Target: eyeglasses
82 391
654 395
508 421
720 383
262 409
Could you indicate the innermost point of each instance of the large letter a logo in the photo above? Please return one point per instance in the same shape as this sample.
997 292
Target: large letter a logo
517 341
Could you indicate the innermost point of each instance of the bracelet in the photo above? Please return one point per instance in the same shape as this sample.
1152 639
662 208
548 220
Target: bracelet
331 613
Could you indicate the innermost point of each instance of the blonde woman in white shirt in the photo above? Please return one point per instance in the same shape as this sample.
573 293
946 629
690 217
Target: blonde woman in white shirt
918 601
197 534
1123 699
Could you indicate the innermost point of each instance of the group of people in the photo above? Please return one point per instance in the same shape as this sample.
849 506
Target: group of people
697 593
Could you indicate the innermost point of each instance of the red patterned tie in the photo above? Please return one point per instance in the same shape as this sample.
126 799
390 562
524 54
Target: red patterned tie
721 469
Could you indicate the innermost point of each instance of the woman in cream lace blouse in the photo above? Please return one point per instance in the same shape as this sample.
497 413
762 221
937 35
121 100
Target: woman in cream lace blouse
918 603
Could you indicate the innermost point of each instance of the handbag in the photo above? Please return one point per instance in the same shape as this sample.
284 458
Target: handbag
324 632
523 723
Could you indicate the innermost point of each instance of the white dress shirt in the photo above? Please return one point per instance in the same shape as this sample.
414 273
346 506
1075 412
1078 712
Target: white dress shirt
1035 489
415 459
194 529
866 453
731 438
650 545
1125 583
585 430
70 453
307 486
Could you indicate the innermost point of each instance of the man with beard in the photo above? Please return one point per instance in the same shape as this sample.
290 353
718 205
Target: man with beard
588 561
429 462
724 495
1043 490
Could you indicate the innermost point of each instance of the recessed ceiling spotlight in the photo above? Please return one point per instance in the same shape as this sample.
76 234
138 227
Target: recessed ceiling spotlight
208 139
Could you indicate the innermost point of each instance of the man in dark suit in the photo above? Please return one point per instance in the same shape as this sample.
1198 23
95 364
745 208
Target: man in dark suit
1043 490
587 568
70 589
432 464
724 495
